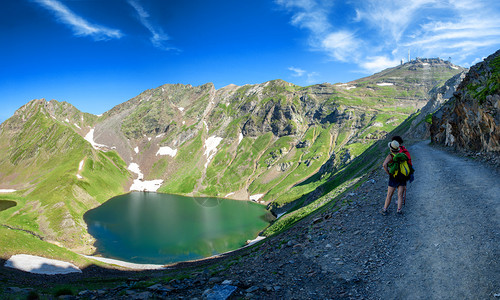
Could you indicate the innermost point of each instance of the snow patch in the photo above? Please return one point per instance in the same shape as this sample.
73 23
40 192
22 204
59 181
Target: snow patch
350 87
133 167
211 148
80 166
77 126
40 265
378 124
143 185
257 239
149 139
136 149
166 151
7 191
146 185
67 121
240 138
385 84
90 138
280 215
232 193
453 67
126 264
180 108
256 197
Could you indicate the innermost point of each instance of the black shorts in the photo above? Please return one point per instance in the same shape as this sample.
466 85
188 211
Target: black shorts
395 182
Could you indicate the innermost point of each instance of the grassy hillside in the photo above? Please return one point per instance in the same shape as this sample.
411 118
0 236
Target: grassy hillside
58 175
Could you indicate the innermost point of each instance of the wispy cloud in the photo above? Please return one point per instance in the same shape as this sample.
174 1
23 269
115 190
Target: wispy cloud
78 24
310 77
297 72
341 45
379 35
158 37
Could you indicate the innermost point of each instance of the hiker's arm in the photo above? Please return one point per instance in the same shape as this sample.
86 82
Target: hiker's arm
387 160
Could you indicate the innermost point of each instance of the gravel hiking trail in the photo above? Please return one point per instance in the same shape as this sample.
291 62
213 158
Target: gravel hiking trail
449 244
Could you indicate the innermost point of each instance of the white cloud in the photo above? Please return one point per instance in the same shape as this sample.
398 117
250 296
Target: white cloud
158 37
341 45
79 25
377 63
310 77
309 14
297 72
377 35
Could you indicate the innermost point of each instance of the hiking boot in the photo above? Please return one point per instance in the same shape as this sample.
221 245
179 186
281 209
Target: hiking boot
383 212
399 212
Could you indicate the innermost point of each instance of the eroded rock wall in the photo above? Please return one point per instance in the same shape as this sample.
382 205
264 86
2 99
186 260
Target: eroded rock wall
470 120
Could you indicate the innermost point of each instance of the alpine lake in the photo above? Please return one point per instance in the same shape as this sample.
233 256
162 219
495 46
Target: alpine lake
155 228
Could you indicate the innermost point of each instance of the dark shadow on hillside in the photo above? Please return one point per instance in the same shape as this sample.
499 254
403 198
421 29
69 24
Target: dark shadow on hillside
6 204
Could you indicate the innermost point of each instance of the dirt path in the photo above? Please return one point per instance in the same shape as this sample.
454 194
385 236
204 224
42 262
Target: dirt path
449 244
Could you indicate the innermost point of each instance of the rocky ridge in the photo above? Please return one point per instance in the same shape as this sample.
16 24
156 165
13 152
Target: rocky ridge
470 120
420 126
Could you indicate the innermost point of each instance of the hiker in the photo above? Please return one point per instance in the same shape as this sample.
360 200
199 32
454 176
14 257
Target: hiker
402 149
396 181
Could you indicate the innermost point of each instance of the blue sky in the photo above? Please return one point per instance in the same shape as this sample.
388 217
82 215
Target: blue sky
96 54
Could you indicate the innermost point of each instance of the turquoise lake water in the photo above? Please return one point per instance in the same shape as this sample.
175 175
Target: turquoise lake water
159 228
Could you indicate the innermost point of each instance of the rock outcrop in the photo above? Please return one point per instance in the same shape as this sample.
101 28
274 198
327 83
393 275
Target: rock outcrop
470 120
420 126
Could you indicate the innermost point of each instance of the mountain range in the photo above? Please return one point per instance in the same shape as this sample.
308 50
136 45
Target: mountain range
275 143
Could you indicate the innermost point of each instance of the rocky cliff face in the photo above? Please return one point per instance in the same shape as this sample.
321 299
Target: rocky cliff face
470 120
420 126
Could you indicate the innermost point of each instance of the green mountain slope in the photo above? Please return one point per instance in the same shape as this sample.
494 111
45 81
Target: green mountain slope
58 175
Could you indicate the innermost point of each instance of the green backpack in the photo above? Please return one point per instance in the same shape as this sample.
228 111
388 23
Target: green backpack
399 166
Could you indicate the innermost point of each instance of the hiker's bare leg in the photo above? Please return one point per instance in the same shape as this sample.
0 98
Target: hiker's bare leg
390 192
401 190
